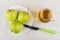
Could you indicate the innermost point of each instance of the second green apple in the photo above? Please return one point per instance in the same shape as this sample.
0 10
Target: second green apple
23 17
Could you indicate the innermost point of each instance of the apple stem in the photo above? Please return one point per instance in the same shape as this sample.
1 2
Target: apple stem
17 16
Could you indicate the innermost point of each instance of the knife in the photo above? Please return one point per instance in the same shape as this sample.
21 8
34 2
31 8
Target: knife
42 29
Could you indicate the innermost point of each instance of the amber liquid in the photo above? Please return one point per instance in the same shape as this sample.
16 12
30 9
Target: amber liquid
45 15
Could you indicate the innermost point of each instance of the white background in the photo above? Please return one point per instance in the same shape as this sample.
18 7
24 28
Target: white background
34 6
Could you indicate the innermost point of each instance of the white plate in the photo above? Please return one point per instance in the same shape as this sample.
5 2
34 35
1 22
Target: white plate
6 23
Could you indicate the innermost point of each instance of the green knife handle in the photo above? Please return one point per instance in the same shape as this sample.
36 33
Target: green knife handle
48 30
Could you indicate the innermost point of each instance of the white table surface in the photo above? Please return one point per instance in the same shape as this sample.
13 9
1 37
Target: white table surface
33 5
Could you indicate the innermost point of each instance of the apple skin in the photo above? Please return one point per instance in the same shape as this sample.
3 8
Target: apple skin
23 17
16 27
11 15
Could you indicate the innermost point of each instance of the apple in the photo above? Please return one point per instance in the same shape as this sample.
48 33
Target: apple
16 27
23 17
11 14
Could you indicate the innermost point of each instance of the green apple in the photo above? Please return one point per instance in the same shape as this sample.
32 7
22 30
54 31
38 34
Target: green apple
11 15
23 17
16 27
